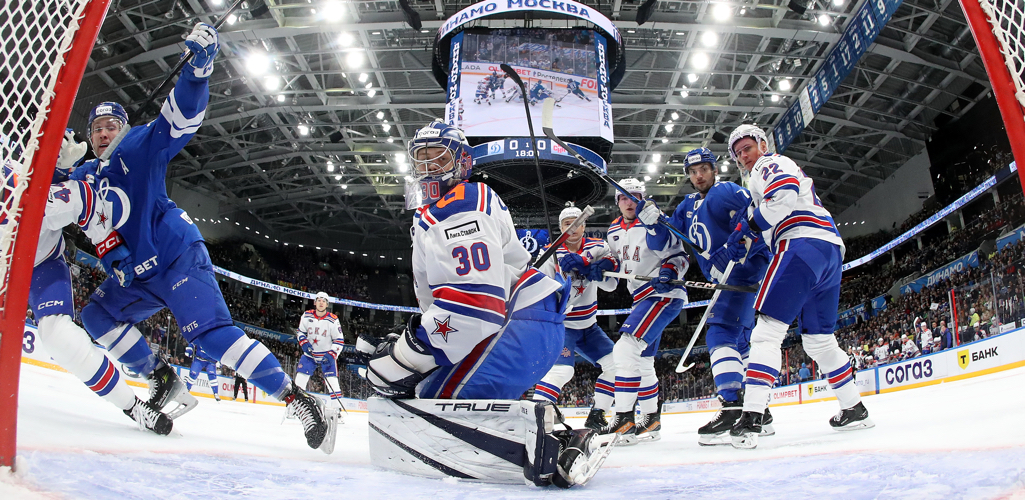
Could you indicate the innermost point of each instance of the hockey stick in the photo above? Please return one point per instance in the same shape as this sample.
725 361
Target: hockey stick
533 140
327 383
547 114
581 220
701 324
185 58
704 285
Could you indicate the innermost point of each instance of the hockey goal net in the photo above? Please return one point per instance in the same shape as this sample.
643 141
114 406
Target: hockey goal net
999 30
46 46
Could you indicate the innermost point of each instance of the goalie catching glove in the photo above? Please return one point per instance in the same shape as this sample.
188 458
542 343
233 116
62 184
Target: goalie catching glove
400 362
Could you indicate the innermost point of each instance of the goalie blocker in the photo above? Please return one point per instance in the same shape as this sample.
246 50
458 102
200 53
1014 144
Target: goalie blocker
487 440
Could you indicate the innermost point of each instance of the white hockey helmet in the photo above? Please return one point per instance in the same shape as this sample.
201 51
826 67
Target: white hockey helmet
743 131
323 295
632 186
569 213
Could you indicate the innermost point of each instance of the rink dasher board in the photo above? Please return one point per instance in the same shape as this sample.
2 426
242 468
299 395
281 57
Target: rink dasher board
34 353
998 353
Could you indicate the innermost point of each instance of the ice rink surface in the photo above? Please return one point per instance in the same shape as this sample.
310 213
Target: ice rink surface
962 439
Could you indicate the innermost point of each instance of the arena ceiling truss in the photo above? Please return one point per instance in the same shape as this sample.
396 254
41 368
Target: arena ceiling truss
311 102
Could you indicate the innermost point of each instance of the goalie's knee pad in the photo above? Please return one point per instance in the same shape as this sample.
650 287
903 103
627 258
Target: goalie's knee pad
550 386
248 357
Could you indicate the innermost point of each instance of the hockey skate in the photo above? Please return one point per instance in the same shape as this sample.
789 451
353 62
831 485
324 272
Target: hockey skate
649 429
148 417
852 419
767 428
717 431
581 453
318 426
623 425
165 387
744 433
596 420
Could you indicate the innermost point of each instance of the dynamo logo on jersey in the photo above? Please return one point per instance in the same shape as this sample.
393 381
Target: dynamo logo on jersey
496 147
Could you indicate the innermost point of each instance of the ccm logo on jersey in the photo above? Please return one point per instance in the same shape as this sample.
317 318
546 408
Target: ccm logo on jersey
50 303
146 265
463 230
502 407
178 284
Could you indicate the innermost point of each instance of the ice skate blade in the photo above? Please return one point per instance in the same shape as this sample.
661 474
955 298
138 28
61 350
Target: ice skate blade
856 426
625 439
767 430
328 444
746 441
583 470
714 439
648 437
186 403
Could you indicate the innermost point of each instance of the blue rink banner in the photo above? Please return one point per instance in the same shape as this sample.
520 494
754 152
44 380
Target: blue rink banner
957 266
878 304
861 32
850 316
1011 238
480 10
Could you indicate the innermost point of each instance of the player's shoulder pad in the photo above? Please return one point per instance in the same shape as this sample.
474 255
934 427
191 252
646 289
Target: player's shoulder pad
333 316
592 242
311 312
462 198
615 224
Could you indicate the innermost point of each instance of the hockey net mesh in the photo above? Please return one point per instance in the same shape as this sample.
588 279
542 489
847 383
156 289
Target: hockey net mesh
1007 21
35 37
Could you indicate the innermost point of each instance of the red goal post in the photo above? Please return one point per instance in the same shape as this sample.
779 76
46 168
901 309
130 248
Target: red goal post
999 30
46 47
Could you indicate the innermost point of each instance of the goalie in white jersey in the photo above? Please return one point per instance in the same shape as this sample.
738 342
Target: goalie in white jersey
802 282
320 338
491 327
51 298
655 305
581 261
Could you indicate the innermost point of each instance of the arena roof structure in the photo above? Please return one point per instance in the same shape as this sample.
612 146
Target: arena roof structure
312 101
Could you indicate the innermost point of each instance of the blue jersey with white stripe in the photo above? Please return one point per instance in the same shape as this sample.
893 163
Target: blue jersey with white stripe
155 230
197 353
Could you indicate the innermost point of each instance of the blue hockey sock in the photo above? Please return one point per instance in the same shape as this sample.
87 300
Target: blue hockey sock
126 343
248 357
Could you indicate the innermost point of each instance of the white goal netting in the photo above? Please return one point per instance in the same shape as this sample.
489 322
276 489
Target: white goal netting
35 38
1007 20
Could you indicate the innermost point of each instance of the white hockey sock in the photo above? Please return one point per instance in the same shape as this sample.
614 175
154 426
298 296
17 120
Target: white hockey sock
550 386
70 346
647 394
764 362
836 365
301 379
605 386
627 355
334 387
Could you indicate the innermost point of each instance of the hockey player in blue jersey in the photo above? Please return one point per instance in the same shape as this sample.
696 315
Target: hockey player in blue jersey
50 294
802 282
573 87
202 363
539 93
156 257
707 218
491 327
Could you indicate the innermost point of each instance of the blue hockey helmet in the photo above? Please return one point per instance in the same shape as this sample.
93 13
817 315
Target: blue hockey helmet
698 156
108 109
435 172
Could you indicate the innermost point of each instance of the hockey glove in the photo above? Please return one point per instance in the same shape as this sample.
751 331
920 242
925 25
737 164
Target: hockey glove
661 283
573 262
203 43
648 212
70 155
733 250
595 272
746 230
116 258
305 344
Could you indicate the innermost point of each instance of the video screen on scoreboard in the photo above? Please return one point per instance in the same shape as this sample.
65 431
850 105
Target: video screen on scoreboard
558 63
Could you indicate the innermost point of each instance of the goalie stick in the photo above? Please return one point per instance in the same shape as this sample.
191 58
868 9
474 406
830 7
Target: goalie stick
581 220
533 140
704 285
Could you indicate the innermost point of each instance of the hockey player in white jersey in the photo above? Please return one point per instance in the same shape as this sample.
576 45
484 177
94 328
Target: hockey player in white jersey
581 261
655 305
802 282
491 327
52 301
320 338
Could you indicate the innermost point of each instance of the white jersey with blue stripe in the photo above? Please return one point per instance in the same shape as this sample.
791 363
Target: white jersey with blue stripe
583 302
787 206
322 333
70 202
469 269
629 243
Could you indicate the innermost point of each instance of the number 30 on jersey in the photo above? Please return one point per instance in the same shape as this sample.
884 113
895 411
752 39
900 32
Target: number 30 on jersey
476 258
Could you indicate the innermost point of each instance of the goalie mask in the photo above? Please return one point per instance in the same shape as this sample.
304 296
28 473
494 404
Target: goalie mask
441 159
